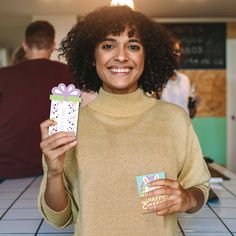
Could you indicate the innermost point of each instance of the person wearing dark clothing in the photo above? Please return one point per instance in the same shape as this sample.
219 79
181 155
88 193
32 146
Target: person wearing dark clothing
24 102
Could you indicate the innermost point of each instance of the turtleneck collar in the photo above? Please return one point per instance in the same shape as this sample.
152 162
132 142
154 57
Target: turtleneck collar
122 105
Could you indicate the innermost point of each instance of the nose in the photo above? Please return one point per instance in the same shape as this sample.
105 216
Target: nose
121 54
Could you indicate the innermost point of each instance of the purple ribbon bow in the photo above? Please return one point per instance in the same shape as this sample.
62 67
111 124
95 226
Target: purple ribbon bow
68 91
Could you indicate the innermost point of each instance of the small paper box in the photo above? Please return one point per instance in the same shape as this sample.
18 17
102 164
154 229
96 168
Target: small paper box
65 102
142 182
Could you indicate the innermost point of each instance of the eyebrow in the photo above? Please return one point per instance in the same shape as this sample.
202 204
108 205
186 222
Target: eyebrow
114 40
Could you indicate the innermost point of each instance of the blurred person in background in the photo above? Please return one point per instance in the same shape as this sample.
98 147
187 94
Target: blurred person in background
178 88
18 56
24 101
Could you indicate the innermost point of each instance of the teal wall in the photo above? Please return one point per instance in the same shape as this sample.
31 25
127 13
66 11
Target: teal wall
211 132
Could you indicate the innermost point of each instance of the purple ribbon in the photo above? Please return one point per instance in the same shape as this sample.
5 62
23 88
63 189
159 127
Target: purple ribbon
68 91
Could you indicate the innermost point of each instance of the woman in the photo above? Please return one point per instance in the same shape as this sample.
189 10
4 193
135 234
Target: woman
90 181
19 56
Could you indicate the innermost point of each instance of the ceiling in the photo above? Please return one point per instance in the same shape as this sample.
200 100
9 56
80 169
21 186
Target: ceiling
16 14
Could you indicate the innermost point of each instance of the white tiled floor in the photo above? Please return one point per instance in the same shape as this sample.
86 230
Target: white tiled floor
19 214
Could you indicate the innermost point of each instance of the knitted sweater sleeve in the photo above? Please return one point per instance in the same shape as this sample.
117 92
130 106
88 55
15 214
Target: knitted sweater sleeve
194 172
69 214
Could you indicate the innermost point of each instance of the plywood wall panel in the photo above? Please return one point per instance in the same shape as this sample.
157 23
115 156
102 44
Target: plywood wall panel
211 88
231 30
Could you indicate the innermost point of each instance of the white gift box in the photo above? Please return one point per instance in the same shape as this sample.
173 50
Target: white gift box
65 102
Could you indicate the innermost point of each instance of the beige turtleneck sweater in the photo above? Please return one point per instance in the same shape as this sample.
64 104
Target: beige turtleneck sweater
121 137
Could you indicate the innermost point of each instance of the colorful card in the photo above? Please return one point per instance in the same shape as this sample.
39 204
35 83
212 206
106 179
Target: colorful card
65 102
142 184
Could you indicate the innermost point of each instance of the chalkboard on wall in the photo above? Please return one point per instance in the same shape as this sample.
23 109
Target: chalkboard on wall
204 44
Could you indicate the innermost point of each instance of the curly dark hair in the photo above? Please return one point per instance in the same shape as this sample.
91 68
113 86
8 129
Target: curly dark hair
78 47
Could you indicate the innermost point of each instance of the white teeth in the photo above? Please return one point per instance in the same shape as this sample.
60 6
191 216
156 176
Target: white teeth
120 70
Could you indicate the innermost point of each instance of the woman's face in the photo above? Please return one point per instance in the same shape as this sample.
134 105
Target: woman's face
120 62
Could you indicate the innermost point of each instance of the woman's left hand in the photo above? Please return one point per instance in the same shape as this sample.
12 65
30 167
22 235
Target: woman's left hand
177 199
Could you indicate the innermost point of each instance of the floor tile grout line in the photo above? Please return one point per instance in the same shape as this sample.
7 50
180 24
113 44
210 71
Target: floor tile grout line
228 190
15 220
18 197
220 219
181 229
36 233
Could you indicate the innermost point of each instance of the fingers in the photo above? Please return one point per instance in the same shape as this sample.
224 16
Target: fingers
58 143
164 182
56 140
163 191
54 148
60 151
175 200
164 187
44 127
165 208
167 204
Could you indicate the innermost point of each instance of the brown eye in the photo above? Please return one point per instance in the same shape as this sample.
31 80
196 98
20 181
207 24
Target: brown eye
107 46
134 47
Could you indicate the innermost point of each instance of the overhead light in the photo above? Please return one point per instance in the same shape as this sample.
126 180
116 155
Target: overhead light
129 3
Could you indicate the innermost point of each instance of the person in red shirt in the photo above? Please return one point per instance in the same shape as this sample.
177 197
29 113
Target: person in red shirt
24 101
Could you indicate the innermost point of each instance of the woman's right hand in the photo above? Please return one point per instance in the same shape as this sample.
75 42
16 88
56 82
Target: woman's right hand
55 146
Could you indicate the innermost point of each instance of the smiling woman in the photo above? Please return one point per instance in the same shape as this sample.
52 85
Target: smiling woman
90 180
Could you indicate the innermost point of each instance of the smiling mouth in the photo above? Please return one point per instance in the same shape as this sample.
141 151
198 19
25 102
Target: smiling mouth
120 70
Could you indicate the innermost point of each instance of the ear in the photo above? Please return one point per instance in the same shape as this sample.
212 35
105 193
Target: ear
54 46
